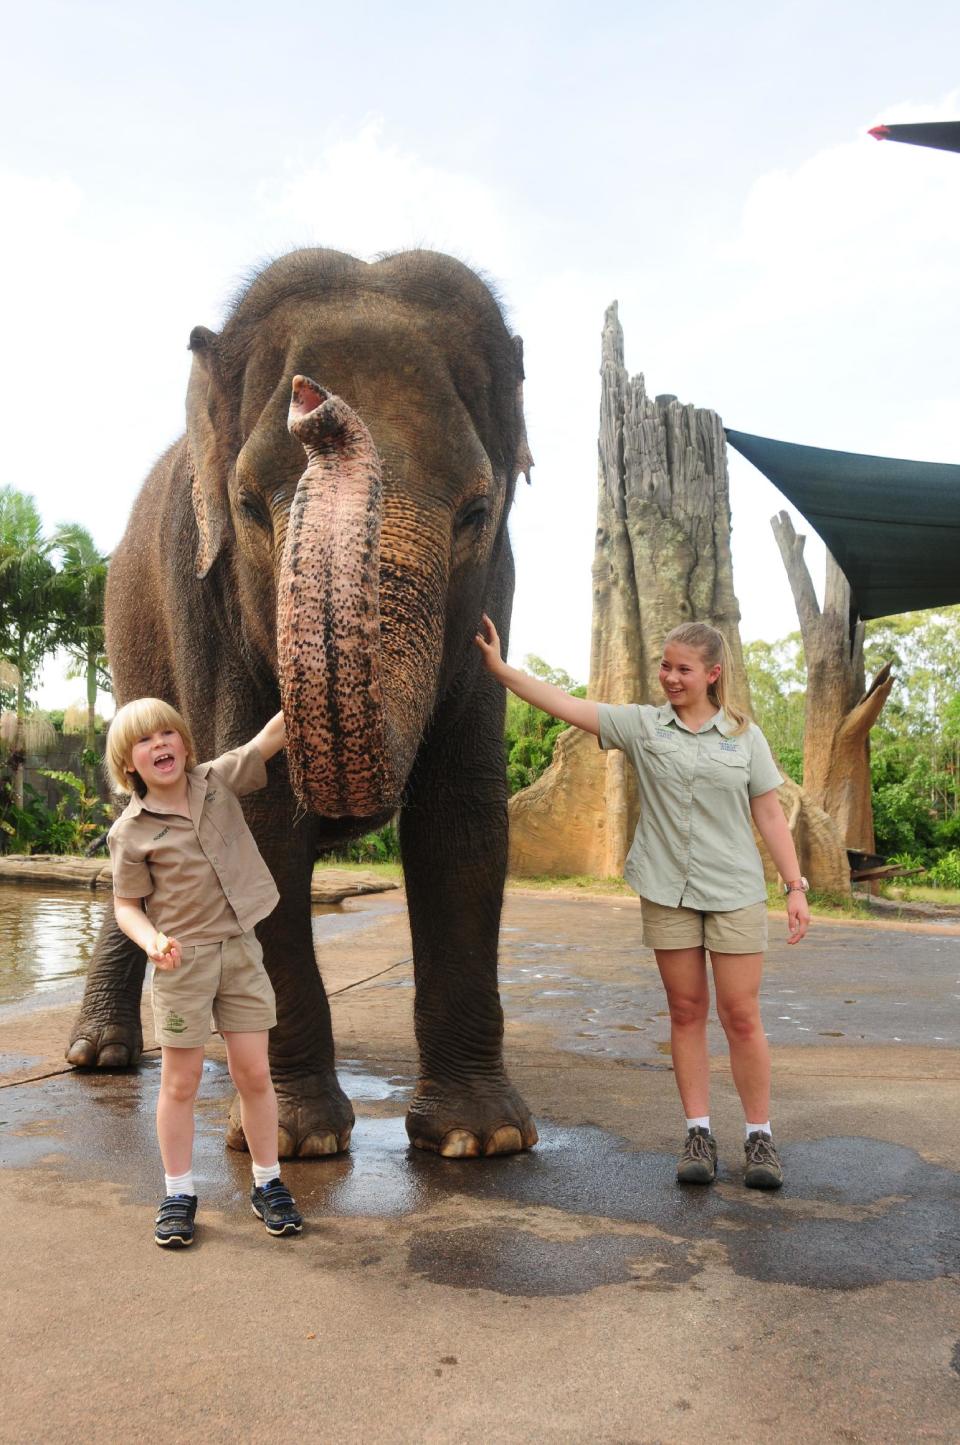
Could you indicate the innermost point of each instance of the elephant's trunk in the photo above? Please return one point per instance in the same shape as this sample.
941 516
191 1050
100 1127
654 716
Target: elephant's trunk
328 615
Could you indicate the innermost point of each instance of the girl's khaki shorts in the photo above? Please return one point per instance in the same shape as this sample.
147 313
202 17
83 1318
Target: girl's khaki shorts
226 981
741 930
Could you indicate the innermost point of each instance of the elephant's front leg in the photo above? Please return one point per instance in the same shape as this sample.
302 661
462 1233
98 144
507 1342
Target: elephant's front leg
453 834
107 1033
315 1115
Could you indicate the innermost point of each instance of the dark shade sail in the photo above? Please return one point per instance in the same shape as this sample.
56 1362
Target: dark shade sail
941 135
893 526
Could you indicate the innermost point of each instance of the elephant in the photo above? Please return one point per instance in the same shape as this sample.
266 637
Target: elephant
326 536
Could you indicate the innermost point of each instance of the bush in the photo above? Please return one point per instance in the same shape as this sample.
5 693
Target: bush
77 817
945 873
383 846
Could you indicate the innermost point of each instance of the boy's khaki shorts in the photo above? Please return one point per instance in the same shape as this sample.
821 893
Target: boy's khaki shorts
226 980
741 930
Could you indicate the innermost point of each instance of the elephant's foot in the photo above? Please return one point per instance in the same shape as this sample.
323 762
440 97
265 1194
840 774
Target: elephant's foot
462 1122
110 1044
314 1114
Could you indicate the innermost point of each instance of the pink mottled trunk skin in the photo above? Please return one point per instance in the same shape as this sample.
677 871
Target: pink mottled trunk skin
328 614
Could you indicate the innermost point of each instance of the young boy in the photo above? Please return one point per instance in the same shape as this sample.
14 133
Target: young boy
189 884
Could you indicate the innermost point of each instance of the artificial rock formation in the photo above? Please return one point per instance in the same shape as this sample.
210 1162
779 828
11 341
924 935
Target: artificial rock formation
662 556
839 709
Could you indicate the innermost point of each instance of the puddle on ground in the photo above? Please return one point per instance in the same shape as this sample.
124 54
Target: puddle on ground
856 1212
512 1262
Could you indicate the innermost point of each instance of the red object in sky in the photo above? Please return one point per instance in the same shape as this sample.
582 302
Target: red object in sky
941 135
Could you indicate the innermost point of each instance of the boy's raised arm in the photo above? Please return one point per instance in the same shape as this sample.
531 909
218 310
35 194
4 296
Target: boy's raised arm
271 737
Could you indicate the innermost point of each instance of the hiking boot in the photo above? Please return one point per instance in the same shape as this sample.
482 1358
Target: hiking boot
698 1162
174 1222
274 1204
763 1169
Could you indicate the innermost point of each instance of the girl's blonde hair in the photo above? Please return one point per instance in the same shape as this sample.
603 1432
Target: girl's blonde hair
713 648
135 720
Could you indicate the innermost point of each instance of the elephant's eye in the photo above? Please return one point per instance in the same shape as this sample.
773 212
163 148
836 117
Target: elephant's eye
474 514
252 507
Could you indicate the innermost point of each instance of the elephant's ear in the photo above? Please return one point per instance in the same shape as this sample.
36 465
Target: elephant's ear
206 437
523 460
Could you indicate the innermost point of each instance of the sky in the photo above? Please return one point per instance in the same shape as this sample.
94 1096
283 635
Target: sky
708 167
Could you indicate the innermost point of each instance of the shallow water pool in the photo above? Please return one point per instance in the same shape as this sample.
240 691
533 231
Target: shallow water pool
46 937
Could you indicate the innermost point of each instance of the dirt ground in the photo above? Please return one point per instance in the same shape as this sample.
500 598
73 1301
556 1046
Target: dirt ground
574 1293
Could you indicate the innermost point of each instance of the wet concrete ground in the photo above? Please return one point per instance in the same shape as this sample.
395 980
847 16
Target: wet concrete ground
573 1293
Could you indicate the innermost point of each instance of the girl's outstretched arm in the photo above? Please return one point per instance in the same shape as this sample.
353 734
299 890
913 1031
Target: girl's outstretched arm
271 737
578 711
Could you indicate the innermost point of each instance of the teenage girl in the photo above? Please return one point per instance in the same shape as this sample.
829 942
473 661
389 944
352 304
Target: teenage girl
703 770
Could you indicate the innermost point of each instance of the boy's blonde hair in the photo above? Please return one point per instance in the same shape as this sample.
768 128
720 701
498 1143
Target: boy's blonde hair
713 648
135 720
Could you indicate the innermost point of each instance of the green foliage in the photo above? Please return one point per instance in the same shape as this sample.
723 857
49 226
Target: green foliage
31 607
23 829
529 734
915 743
83 581
945 873
383 846
778 680
76 818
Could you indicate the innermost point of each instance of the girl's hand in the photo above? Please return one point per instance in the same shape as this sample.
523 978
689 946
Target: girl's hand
489 644
165 953
798 915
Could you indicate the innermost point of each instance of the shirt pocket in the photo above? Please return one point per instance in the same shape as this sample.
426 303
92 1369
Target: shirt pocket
227 820
730 771
661 756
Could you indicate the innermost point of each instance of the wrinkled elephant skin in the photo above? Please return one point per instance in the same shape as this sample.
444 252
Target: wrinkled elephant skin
326 536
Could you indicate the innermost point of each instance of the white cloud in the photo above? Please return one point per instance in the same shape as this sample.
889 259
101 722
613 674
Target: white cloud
364 194
827 314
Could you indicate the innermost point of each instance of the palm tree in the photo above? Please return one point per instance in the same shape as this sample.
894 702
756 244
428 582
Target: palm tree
30 612
83 577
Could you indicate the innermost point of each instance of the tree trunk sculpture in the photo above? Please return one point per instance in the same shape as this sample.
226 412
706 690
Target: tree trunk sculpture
840 710
662 556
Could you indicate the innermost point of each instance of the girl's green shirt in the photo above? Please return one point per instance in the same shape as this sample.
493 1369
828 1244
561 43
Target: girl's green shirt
694 843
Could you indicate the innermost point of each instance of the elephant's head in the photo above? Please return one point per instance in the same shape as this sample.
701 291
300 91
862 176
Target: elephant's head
361 516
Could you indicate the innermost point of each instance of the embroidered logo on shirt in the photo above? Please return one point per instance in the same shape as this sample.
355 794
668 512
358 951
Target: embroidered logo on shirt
728 747
212 796
162 834
664 732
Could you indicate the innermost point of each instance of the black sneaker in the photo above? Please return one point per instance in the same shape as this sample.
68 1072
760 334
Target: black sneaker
698 1162
174 1222
274 1204
763 1169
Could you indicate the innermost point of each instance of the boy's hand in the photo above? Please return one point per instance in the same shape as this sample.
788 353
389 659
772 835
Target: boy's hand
489 644
165 953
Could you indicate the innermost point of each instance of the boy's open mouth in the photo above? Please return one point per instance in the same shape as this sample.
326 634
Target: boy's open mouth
164 761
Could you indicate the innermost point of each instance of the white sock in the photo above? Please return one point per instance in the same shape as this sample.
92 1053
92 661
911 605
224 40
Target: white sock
263 1173
703 1123
179 1183
749 1129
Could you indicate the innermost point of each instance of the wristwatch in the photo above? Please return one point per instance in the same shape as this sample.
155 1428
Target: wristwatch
797 885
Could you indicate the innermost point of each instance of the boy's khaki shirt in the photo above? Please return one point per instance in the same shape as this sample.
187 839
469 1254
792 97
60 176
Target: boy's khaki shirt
694 843
202 878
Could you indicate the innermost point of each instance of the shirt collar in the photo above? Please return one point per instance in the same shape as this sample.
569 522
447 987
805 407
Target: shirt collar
196 792
723 725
